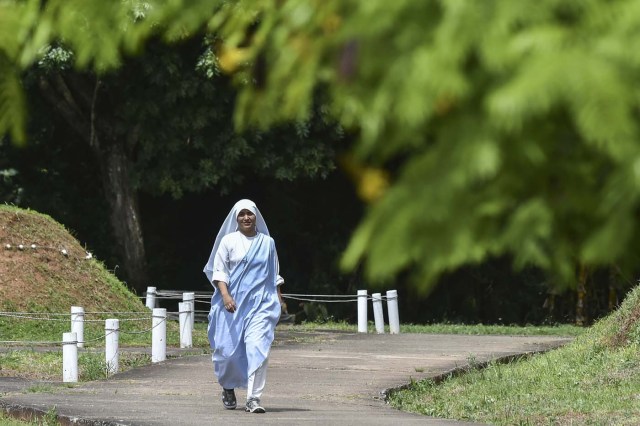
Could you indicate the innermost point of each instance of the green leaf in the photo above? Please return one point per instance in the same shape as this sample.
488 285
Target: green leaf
12 103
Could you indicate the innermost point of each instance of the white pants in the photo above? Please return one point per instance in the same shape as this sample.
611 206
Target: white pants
257 381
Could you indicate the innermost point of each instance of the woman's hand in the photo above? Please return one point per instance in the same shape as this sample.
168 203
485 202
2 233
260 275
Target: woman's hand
229 303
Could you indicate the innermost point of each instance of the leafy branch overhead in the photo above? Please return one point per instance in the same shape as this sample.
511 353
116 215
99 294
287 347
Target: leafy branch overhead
506 127
514 124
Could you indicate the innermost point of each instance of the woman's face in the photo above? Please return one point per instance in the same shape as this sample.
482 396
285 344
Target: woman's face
246 222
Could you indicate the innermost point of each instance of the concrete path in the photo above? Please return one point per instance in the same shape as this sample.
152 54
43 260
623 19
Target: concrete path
323 378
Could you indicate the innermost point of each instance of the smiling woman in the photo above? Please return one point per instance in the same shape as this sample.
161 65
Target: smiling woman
245 308
247 223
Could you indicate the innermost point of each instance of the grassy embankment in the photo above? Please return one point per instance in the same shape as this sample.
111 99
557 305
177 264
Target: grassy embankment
593 381
43 272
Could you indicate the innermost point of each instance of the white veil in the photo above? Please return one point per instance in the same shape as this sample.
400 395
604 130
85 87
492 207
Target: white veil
230 225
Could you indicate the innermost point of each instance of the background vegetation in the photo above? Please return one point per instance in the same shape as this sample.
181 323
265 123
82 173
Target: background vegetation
593 380
478 136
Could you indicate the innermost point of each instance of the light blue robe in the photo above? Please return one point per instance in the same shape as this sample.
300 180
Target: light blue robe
241 341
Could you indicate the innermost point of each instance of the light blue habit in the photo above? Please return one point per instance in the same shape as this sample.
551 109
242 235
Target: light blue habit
241 340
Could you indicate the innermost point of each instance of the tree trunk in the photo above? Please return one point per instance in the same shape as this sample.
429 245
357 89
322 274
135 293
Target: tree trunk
76 103
125 218
613 294
581 293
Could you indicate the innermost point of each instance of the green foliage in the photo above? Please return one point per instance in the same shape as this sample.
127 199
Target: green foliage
181 109
508 127
12 102
513 125
97 33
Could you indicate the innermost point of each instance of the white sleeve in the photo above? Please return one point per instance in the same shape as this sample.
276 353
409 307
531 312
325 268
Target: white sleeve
279 279
221 268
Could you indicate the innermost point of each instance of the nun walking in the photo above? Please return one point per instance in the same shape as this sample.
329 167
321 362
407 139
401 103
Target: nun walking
246 305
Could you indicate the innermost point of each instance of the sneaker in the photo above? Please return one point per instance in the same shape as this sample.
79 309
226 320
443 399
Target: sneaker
229 399
253 406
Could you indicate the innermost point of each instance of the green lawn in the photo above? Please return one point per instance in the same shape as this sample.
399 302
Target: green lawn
593 381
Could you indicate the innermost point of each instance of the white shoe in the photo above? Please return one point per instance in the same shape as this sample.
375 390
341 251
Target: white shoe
253 406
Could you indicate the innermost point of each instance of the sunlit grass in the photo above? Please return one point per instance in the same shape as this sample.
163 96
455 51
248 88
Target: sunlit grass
577 384
135 332
35 359
49 419
593 381
48 365
470 329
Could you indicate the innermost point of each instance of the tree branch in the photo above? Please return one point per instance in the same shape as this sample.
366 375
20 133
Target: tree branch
60 98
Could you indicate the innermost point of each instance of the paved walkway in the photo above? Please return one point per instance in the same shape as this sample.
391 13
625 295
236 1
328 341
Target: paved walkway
329 378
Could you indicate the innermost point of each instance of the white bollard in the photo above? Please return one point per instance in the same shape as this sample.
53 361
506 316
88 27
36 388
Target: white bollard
77 324
190 297
111 355
159 335
185 312
362 311
150 301
192 314
69 357
377 312
392 310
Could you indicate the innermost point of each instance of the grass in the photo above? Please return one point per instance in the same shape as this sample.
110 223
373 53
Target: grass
593 381
34 363
134 332
483 329
46 364
49 419
469 329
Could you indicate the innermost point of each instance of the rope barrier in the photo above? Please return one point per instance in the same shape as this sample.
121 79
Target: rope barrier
34 313
59 314
30 343
205 296
319 300
353 299
24 316
97 338
121 319
318 295
38 316
41 343
147 330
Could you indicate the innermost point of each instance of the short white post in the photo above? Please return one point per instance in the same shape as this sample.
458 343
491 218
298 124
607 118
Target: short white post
362 311
185 313
69 357
392 308
77 324
377 312
159 335
112 332
190 297
150 301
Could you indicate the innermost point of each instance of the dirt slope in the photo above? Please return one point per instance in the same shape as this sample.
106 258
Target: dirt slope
52 271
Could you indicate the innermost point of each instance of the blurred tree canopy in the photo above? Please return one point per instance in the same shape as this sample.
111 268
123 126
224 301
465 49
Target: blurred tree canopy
159 123
484 128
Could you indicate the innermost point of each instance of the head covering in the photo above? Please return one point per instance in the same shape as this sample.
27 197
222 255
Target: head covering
230 225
